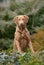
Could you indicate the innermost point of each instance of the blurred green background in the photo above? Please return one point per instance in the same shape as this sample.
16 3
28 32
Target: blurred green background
35 10
10 8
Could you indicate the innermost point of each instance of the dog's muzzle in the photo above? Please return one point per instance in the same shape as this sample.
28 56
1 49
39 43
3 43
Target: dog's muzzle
22 26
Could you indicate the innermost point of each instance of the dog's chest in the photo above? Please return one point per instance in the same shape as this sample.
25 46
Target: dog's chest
23 40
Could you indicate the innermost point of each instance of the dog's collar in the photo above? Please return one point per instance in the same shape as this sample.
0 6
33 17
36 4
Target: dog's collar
21 31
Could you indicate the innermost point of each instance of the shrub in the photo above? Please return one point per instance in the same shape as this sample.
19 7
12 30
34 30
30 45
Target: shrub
2 9
6 16
22 59
7 30
5 44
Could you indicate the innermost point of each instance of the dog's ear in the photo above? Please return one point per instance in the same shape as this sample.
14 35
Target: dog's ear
15 19
26 18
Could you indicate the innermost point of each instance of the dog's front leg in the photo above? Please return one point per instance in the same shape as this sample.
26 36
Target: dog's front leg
30 43
31 47
18 47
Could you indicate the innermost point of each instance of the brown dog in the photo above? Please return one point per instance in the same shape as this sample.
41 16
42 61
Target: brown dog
22 36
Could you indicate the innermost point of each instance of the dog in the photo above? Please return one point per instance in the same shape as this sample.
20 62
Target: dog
22 36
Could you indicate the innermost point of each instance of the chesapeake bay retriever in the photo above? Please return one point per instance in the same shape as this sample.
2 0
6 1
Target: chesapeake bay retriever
22 36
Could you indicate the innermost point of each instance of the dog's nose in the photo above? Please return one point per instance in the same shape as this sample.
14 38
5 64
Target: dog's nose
22 24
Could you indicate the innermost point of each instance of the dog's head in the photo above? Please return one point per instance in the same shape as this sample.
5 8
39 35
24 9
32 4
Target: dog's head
21 21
